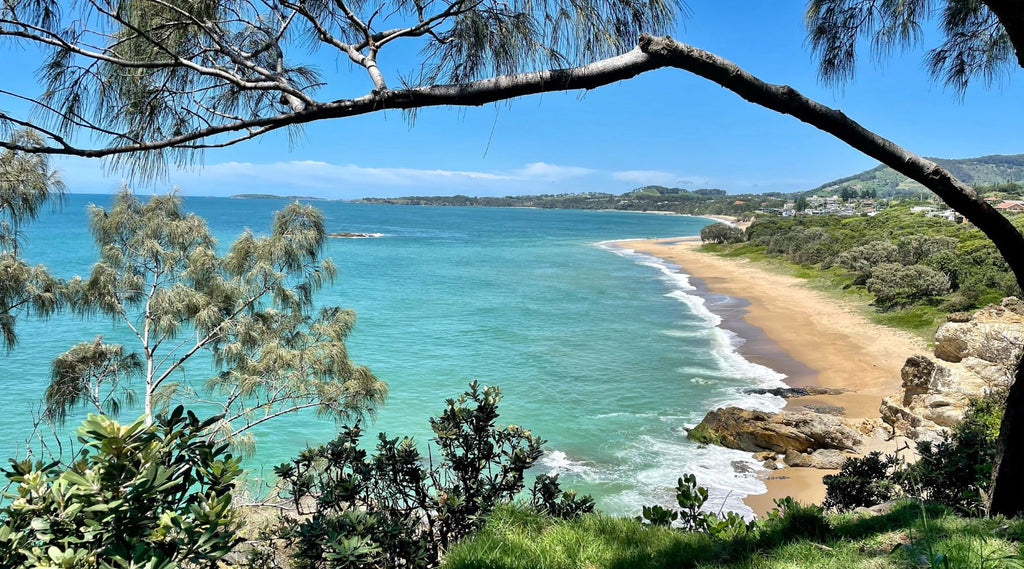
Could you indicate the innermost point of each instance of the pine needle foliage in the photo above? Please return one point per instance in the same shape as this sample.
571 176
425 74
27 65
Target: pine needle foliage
251 309
136 72
975 43
27 185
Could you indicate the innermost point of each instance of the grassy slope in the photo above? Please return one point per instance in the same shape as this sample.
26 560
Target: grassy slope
909 536
920 320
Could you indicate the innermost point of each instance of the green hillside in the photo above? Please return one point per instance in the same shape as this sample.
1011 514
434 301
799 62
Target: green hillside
981 171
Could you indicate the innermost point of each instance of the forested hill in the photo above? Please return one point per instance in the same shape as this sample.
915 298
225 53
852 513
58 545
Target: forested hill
647 198
981 171
999 173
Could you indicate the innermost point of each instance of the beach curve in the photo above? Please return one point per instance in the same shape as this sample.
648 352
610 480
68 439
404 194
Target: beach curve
840 347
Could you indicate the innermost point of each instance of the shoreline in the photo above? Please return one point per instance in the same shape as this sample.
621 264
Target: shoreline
813 339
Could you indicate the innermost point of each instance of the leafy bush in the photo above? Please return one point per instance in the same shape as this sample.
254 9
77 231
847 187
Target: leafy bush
957 470
894 284
721 233
154 496
864 481
690 515
861 260
548 497
397 507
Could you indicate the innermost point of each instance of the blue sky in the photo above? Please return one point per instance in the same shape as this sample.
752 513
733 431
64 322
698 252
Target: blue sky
666 127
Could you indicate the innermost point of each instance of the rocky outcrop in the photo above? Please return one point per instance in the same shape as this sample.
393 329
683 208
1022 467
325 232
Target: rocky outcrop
757 431
994 334
976 356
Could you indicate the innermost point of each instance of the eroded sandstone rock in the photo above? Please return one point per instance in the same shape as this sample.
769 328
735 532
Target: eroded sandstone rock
757 431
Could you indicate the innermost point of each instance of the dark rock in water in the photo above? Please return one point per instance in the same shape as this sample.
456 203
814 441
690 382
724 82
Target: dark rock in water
789 392
741 467
349 235
826 409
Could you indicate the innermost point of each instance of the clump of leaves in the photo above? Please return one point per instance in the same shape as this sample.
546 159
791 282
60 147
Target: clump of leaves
721 233
954 471
862 482
691 517
548 497
397 507
957 470
154 496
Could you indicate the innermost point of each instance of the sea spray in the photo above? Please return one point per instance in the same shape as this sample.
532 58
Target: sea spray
729 475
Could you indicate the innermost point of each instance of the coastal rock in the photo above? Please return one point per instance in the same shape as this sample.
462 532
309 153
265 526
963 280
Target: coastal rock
790 392
826 459
976 355
826 409
757 431
994 334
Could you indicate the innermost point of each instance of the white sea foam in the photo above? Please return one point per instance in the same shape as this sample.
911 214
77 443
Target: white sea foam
666 460
557 462
715 467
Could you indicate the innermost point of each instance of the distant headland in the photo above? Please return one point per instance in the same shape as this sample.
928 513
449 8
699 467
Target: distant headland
276 197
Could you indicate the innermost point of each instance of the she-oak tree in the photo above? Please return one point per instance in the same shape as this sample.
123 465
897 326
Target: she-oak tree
159 80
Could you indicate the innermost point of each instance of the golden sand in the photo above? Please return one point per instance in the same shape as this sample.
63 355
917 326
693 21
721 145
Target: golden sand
828 336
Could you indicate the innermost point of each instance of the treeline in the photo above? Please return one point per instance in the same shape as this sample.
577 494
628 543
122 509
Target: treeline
649 198
900 257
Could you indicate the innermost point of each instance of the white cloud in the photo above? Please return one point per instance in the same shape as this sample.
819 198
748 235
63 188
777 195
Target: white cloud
551 172
647 177
348 181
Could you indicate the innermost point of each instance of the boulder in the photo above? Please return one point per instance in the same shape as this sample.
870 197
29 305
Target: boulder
827 459
976 355
757 431
994 334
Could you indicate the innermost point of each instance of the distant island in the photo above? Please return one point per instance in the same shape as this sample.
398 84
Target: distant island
276 197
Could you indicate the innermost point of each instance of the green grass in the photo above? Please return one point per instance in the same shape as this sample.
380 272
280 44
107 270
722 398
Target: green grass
921 320
908 537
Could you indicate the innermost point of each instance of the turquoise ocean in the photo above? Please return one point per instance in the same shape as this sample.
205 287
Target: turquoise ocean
607 354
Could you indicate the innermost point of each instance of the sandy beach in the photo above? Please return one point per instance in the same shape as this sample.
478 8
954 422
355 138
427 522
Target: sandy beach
837 345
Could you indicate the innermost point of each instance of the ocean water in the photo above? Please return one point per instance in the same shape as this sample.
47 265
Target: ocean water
607 354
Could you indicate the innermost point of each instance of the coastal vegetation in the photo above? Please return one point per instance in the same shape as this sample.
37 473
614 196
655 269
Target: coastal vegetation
915 268
161 80
250 309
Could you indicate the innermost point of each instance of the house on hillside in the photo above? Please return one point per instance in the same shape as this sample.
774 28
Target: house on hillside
1010 205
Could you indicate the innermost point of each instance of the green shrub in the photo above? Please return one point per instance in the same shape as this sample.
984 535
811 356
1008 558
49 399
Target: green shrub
548 498
864 481
154 496
721 233
957 470
894 284
400 508
690 515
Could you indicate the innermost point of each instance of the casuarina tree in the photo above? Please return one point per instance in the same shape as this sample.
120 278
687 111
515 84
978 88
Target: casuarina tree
154 80
250 309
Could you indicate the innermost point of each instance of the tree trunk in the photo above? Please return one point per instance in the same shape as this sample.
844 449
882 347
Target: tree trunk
1006 496
1007 492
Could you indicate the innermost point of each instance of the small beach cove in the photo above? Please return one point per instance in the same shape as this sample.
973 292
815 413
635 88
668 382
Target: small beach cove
812 338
